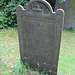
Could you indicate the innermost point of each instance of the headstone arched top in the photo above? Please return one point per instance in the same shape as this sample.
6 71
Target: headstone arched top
37 7
40 6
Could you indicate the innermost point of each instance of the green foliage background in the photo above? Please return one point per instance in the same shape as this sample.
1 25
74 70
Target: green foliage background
8 11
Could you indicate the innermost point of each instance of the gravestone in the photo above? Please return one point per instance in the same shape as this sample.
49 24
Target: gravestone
69 8
40 34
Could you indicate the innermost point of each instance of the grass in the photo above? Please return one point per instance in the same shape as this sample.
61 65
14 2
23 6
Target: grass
67 54
9 51
10 55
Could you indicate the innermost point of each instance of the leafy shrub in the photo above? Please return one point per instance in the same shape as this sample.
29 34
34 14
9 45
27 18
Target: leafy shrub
9 9
3 21
72 28
60 1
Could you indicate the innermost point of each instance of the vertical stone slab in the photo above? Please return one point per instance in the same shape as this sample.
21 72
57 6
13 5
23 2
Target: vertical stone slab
40 34
69 8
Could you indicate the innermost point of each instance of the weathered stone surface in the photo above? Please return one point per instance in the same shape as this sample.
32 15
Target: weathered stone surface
69 8
40 34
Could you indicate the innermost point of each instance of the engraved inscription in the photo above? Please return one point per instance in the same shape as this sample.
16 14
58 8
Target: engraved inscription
38 7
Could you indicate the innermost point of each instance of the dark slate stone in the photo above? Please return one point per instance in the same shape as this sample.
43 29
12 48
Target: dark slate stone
40 34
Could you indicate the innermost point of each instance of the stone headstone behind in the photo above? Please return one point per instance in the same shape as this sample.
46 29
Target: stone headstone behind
69 8
40 34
